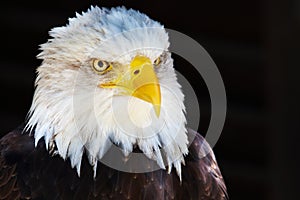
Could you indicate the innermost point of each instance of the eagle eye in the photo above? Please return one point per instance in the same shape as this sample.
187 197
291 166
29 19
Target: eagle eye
101 66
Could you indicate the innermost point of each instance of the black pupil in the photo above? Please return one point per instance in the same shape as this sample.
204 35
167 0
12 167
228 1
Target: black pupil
100 64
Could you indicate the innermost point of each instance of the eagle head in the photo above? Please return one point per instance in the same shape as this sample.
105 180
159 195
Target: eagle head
107 78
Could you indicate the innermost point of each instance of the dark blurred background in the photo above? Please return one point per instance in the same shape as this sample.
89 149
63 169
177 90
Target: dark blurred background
255 45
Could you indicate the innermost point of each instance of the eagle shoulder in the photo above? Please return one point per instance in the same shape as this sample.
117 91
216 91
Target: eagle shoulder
29 172
13 147
201 177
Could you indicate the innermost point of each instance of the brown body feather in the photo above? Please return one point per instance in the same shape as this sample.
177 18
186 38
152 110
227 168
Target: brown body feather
28 172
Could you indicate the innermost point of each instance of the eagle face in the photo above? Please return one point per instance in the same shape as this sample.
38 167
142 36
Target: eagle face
108 76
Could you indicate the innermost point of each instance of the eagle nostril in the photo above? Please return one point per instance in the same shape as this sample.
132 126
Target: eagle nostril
136 72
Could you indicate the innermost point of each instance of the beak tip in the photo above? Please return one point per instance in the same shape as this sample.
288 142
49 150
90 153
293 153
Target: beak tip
157 110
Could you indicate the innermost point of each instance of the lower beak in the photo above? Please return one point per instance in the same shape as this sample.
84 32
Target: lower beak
141 82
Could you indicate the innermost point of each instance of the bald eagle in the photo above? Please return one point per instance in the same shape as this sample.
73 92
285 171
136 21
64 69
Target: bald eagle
107 80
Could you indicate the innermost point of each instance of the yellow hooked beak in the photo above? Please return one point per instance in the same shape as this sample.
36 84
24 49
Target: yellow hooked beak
139 81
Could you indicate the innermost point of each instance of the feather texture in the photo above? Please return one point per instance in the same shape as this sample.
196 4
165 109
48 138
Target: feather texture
70 110
31 173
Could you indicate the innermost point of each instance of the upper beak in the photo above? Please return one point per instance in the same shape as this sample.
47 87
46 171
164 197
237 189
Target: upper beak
140 81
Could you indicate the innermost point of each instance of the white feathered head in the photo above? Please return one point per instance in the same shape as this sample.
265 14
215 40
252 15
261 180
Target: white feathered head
108 76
